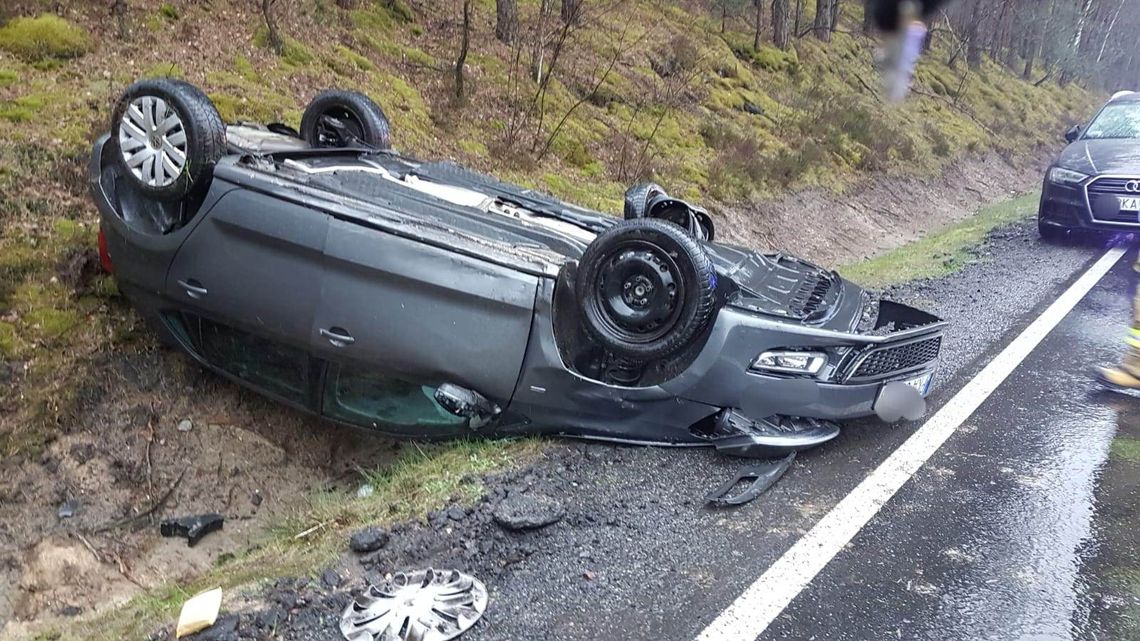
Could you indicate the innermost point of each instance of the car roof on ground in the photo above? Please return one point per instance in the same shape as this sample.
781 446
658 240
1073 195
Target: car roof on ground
1125 96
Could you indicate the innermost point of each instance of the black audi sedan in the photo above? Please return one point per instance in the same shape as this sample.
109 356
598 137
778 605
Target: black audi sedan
1095 183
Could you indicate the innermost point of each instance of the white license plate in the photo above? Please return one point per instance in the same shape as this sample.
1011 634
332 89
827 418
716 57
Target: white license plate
1128 203
921 383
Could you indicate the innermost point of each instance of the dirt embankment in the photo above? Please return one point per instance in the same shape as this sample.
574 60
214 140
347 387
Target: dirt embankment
881 212
125 461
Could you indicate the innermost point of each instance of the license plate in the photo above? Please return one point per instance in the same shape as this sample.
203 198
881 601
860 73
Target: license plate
921 384
1128 203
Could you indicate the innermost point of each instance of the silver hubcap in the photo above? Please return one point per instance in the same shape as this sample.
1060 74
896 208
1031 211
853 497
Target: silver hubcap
153 141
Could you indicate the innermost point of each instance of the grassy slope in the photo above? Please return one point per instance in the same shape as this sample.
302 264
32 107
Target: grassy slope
943 252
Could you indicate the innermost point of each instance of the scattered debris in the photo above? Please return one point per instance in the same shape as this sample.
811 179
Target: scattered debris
185 425
68 509
752 108
255 498
365 491
764 476
369 539
330 579
192 527
528 511
425 605
199 612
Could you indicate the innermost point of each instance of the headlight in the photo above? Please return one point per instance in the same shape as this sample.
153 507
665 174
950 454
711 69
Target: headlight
1062 176
789 362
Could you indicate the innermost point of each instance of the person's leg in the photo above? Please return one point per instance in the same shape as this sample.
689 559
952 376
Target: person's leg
1128 373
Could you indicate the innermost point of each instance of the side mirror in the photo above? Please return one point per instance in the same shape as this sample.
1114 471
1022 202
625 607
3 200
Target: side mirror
1073 133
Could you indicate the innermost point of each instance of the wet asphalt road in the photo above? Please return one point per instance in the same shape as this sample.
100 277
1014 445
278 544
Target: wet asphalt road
986 542
991 539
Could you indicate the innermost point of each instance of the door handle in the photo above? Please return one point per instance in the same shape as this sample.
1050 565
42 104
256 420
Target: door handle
338 336
193 288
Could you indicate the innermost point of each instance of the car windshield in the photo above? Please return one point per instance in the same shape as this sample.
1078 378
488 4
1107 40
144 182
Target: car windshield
1116 121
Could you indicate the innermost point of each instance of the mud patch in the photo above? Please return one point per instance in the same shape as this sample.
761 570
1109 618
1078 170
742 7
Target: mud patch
878 214
245 457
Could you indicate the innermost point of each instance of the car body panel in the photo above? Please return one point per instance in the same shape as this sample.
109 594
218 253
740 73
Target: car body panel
424 312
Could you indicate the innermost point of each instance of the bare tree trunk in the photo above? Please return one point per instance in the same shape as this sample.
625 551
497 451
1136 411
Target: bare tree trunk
799 18
571 10
833 16
1108 32
275 41
119 12
506 20
780 35
759 4
868 19
821 28
461 61
540 41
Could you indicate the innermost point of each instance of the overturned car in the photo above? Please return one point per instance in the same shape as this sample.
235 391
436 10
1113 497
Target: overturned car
421 299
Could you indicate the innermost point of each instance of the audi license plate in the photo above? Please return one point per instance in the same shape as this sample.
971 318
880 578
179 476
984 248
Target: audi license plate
1129 203
921 383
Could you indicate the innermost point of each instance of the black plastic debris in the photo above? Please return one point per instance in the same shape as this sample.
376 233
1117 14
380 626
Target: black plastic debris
763 477
192 527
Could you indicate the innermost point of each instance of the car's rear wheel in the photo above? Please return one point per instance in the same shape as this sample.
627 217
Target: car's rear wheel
646 290
168 136
345 119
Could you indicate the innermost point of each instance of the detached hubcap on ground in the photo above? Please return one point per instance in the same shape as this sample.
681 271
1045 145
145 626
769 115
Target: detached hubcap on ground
152 140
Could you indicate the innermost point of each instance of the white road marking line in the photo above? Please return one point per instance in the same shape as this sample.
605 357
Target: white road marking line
760 604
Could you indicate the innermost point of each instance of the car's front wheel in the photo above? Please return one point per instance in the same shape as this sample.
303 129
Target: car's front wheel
1052 233
344 119
646 289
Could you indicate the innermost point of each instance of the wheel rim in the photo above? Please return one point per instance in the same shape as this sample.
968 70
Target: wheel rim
639 289
328 134
152 139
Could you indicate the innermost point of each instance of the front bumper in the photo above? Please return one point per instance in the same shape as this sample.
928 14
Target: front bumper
721 375
1092 205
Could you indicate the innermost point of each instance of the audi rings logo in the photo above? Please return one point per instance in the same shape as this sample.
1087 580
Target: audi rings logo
1132 186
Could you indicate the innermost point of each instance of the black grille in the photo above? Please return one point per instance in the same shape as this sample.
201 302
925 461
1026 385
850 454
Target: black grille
1103 199
886 360
810 295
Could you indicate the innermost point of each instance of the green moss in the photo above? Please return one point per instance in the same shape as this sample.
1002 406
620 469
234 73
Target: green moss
9 340
43 38
22 109
473 147
244 68
164 70
47 323
1126 448
346 62
8 77
292 52
168 11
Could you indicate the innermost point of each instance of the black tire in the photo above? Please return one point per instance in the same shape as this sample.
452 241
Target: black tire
361 118
675 304
200 135
1052 233
637 199
706 225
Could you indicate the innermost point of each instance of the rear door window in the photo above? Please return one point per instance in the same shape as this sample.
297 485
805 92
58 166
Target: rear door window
271 366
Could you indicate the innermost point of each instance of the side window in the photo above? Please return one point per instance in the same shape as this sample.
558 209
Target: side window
384 403
271 366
